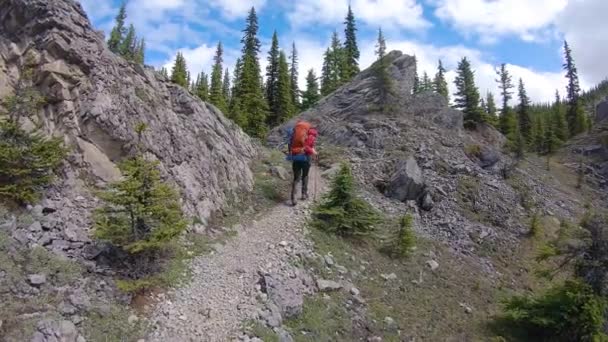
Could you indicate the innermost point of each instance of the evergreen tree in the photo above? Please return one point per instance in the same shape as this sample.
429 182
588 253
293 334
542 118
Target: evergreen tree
216 94
351 50
575 115
467 94
202 87
523 113
164 73
311 96
141 52
285 109
380 45
427 84
293 73
141 213
491 108
119 31
505 84
550 141
226 88
417 88
559 119
179 74
250 97
333 66
127 46
326 86
440 85
272 81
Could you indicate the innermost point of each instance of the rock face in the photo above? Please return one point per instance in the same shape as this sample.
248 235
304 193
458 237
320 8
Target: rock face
95 99
601 112
407 182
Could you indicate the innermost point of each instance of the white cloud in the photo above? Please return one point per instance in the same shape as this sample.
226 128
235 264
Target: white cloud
389 14
491 19
583 23
201 59
233 9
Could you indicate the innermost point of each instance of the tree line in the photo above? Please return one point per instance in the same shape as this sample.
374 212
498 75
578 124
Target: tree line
257 103
124 41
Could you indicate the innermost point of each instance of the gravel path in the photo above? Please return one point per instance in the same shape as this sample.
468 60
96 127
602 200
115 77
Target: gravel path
223 292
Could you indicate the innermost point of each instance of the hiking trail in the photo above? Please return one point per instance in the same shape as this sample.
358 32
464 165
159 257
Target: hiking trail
224 292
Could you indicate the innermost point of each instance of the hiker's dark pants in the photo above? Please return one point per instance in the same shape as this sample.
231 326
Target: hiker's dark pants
300 171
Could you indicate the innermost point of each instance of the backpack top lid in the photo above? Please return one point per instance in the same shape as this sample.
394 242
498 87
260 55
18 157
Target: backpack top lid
298 140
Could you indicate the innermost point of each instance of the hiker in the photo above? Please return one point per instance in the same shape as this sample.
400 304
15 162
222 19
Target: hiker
301 143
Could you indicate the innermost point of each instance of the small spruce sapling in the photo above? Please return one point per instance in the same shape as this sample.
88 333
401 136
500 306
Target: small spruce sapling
141 213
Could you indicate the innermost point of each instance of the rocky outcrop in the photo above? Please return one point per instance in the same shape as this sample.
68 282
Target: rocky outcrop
407 183
95 99
601 111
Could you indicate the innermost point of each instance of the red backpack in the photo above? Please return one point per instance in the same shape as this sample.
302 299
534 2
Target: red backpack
298 139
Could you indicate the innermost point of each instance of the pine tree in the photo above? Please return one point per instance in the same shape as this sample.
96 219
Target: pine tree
467 95
427 84
285 109
403 240
202 87
272 81
575 114
351 50
380 45
127 46
293 73
141 52
523 112
226 88
440 85
118 32
249 97
216 94
333 66
417 88
559 119
311 96
141 213
179 74
164 73
505 84
491 108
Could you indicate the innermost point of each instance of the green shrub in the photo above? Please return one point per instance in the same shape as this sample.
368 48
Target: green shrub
404 239
342 211
535 225
473 150
569 312
27 159
141 213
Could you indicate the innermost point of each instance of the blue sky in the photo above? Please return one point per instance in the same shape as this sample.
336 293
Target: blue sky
525 34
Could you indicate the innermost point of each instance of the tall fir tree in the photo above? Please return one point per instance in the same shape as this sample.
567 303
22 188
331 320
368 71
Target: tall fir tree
427 84
285 109
272 81
380 45
119 30
523 113
294 74
216 94
140 55
575 115
417 87
252 106
127 46
202 87
491 109
311 96
467 95
351 49
179 74
559 119
505 84
333 66
163 72
226 89
440 85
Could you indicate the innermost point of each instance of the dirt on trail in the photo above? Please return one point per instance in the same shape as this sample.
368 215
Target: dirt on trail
225 291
